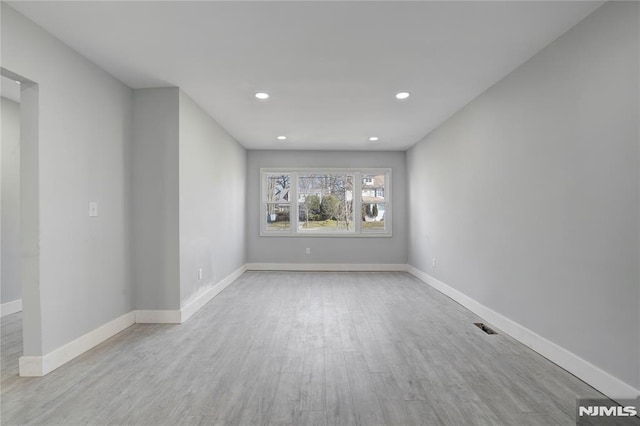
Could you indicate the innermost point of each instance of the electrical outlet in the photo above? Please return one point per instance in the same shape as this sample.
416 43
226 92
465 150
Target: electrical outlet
433 262
200 274
93 209
308 250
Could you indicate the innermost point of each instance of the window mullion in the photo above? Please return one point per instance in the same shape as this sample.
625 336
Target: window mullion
357 202
388 213
263 209
293 207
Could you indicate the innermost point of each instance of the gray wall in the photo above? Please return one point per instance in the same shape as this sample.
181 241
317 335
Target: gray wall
156 258
327 249
528 197
84 141
11 288
212 201
188 200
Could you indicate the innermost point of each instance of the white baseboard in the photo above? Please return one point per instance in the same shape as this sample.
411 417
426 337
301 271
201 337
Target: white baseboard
194 306
35 366
10 307
31 366
594 376
157 317
609 385
329 267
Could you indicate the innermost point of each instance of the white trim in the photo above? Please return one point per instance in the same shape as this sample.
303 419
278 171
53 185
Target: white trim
192 307
157 316
36 366
609 385
305 234
31 366
355 267
584 370
10 307
40 365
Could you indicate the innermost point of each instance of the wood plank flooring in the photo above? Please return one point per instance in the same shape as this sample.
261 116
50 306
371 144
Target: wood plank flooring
300 348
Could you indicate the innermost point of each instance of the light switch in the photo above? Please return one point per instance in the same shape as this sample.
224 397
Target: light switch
93 209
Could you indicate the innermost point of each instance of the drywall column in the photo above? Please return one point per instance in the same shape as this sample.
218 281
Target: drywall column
32 330
156 269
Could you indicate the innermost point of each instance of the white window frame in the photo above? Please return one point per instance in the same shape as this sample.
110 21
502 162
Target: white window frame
294 214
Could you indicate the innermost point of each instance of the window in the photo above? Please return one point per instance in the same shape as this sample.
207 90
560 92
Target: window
373 203
321 202
278 194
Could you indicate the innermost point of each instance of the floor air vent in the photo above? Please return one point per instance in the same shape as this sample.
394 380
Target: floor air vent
485 328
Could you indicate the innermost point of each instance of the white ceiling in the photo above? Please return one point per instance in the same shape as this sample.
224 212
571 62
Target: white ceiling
332 68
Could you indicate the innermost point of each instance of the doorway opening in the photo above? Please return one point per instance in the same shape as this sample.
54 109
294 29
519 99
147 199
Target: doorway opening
19 224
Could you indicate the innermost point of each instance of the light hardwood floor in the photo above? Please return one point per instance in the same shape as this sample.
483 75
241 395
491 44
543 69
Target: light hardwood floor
307 348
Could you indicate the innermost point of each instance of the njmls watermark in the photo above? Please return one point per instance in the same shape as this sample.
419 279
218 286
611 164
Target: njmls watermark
597 412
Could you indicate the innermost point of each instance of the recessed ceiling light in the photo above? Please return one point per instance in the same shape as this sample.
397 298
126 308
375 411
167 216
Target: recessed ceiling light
373 138
262 95
18 82
281 138
402 95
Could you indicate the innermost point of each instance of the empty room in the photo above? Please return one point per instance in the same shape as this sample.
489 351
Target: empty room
320 213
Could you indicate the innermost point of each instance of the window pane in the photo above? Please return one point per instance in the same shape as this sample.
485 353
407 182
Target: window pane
373 188
277 217
373 217
278 188
325 202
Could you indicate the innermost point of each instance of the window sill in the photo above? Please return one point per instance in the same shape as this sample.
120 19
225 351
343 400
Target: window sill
326 235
